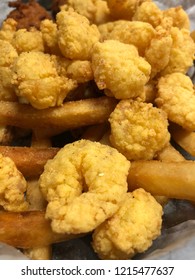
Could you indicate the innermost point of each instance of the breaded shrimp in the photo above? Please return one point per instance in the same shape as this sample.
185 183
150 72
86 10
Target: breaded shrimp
36 80
79 71
149 12
8 29
138 130
124 9
12 186
85 179
7 58
136 33
131 229
49 32
179 17
182 52
176 97
85 8
118 68
26 41
159 51
76 36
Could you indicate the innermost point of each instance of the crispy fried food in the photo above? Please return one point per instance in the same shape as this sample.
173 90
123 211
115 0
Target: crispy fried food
96 11
28 229
28 14
150 91
83 165
179 17
169 153
42 86
70 115
124 9
176 97
49 32
170 179
119 69
8 29
136 33
119 237
85 8
8 55
182 51
81 71
95 132
184 138
6 135
138 130
149 12
29 161
158 52
39 253
12 186
26 41
76 36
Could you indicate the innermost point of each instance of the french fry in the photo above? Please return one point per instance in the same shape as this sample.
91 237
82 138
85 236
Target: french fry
95 132
30 161
171 179
169 153
70 115
184 138
36 201
28 230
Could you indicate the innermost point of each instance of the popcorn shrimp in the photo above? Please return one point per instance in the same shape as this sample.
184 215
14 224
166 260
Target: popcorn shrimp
176 97
36 80
12 186
76 36
84 179
138 130
131 229
119 69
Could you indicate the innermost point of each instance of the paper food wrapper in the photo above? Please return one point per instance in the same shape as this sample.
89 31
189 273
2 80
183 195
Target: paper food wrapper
177 240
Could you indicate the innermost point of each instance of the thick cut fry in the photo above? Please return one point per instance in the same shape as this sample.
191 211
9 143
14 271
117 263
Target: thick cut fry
184 138
29 161
70 115
28 229
169 153
95 132
171 179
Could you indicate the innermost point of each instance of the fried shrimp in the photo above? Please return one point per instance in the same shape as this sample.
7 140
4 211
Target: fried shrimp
84 179
149 12
138 130
182 52
26 41
42 87
159 50
119 69
136 33
176 97
131 229
76 36
124 9
12 186
8 55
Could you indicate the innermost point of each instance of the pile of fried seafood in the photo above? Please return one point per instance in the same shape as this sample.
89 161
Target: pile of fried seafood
100 90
